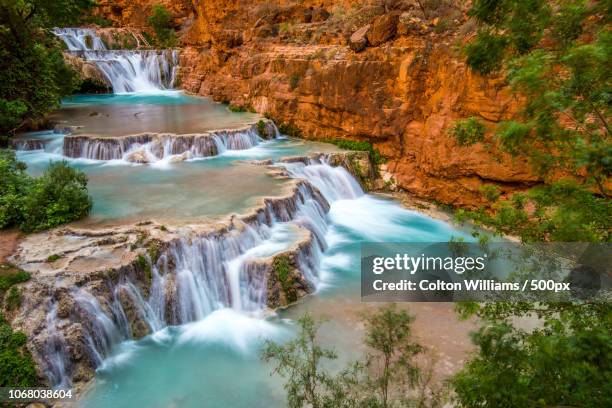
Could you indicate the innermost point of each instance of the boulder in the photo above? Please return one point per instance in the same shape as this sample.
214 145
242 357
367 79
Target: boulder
138 156
359 39
383 29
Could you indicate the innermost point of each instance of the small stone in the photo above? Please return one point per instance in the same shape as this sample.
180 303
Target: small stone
359 40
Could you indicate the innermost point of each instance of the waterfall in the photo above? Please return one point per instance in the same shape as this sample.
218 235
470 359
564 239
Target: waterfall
80 39
56 352
127 71
103 331
150 148
335 183
201 273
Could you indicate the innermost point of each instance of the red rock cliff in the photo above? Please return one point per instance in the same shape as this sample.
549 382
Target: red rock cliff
390 72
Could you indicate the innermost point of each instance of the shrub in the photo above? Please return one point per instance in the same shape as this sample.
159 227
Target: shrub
11 277
17 368
290 129
13 298
161 22
261 128
484 54
35 204
468 132
490 192
236 108
359 146
282 268
58 197
294 80
14 184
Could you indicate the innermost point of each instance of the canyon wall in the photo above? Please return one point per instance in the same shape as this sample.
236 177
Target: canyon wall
388 72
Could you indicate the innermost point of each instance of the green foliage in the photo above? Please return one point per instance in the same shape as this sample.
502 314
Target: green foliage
33 204
58 197
388 377
565 361
34 76
261 128
490 192
517 25
294 80
10 276
14 185
562 211
144 266
161 22
12 300
282 267
11 113
391 359
236 108
359 146
564 80
53 258
299 360
484 54
468 131
289 129
17 368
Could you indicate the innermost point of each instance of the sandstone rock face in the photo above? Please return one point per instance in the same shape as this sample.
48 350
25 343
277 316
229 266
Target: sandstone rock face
402 92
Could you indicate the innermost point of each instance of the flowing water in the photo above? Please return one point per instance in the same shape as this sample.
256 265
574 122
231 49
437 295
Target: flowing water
143 71
208 331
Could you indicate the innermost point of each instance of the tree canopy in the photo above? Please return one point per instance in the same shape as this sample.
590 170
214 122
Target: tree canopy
556 57
34 75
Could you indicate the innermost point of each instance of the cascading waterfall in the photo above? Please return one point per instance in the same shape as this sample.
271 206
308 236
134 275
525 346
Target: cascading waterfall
104 331
198 275
55 359
127 71
80 39
152 148
335 183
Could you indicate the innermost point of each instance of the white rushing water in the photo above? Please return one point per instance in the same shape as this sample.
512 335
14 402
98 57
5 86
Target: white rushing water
161 148
128 71
199 276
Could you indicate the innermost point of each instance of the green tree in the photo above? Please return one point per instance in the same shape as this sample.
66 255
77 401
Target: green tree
555 56
56 198
390 361
565 361
34 76
17 368
387 377
34 204
161 22
14 184
299 360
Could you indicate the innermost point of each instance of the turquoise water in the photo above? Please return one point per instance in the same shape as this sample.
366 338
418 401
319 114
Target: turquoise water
128 114
178 192
165 98
215 362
